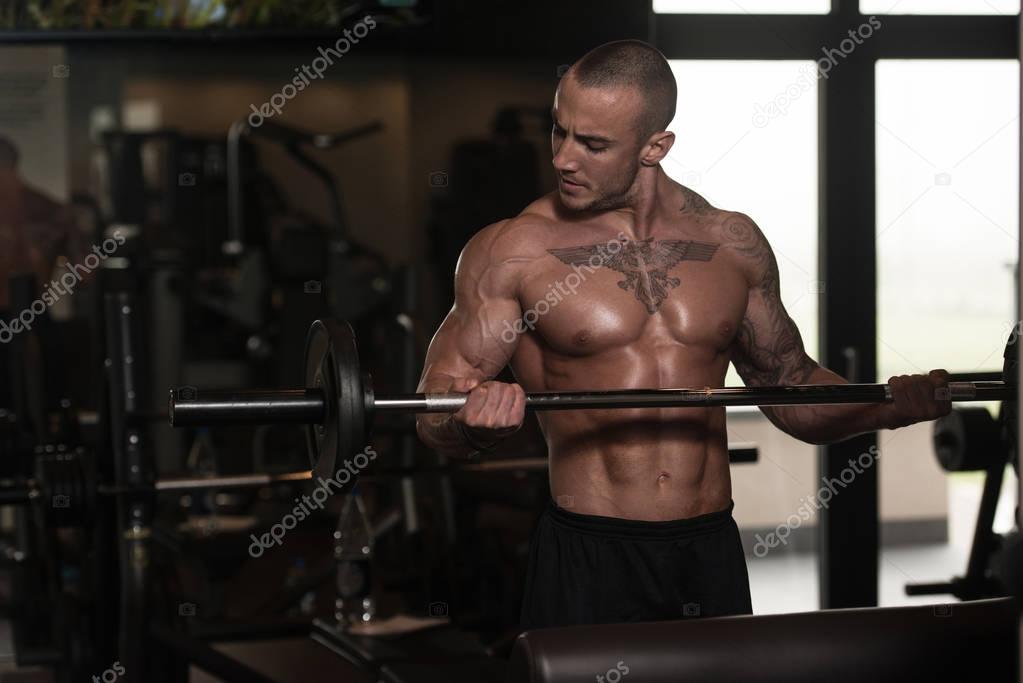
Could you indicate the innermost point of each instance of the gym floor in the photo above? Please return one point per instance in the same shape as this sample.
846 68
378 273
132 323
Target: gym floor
782 582
787 582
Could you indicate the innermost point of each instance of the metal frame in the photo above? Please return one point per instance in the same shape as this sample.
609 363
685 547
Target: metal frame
848 527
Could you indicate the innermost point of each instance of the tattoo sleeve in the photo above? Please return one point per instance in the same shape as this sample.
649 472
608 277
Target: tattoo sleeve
768 349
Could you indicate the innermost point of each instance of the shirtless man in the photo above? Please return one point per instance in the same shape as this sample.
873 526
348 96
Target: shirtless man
667 291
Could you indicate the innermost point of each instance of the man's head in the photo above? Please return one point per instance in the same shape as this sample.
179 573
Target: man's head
610 114
8 153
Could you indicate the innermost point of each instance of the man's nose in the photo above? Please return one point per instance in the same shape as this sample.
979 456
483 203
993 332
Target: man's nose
563 160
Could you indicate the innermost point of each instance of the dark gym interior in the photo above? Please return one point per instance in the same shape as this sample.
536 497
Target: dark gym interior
229 232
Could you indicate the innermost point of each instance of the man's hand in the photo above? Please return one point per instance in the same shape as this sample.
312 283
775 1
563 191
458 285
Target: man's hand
493 411
917 398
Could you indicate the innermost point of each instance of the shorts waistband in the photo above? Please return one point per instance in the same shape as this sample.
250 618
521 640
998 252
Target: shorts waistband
636 528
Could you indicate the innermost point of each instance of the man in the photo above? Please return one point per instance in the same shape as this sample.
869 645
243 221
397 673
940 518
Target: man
667 290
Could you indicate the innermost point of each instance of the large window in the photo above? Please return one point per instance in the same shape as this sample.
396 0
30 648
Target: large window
939 6
947 213
947 136
742 6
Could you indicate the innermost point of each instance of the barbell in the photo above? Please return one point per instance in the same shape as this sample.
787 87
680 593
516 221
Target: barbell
66 486
337 404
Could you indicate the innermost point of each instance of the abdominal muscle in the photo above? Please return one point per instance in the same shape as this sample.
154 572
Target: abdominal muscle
644 464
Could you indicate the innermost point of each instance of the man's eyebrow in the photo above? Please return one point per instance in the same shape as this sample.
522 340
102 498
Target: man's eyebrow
583 136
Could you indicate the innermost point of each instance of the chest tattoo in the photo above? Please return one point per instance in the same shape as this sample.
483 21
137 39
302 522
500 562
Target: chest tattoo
644 263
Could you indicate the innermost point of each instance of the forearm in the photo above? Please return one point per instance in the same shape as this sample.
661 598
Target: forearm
440 433
822 424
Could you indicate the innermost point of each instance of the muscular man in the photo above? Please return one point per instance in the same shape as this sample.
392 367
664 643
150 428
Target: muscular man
623 278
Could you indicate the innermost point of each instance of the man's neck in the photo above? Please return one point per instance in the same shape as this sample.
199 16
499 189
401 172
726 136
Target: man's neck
646 202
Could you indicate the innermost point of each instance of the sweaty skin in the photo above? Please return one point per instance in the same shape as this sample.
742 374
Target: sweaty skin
633 463
656 464
628 280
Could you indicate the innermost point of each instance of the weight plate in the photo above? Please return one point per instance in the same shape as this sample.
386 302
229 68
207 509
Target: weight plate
332 365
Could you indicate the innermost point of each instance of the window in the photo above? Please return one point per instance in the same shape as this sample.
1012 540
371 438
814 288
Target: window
742 6
939 6
947 229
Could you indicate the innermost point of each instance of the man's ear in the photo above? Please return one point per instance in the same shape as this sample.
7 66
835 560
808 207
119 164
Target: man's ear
657 147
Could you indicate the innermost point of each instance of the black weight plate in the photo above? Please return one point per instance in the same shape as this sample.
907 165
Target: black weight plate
332 365
968 440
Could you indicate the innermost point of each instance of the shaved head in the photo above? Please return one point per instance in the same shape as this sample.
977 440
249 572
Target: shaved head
632 64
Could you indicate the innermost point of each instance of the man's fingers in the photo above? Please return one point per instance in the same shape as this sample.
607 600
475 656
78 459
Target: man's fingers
499 400
917 398
493 405
504 415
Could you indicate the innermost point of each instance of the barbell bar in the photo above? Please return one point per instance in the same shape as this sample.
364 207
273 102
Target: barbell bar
308 406
338 402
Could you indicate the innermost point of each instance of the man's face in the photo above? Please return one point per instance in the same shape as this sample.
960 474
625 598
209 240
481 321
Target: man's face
595 144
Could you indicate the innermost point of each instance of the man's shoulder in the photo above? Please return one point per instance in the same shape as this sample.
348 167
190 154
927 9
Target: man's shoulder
519 236
735 228
743 240
503 250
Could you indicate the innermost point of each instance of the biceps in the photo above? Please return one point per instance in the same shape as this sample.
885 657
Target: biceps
472 343
768 348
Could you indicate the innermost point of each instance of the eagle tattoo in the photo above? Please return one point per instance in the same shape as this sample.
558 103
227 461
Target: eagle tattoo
644 263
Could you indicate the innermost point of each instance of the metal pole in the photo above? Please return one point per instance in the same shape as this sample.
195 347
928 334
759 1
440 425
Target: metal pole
208 407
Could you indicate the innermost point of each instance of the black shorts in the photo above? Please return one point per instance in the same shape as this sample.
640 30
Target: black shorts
586 569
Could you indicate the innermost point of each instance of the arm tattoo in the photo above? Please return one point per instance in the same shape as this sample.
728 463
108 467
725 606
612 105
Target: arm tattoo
768 349
645 264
